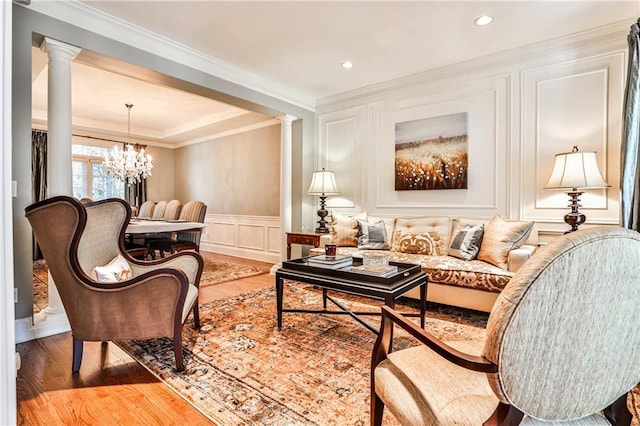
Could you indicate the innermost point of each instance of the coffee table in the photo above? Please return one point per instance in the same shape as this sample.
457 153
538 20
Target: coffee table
388 289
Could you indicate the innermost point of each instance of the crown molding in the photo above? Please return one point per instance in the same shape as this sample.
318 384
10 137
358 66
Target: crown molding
79 14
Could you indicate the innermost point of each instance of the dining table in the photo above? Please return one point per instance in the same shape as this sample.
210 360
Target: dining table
148 226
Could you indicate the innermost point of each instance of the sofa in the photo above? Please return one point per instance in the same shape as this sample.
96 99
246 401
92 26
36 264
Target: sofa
468 260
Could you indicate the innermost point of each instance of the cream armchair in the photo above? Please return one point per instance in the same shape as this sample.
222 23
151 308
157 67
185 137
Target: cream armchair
151 300
562 345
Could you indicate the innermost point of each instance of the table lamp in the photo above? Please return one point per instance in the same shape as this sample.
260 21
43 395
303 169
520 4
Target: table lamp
573 171
323 183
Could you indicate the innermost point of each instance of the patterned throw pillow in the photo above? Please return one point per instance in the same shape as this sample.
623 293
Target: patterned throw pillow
500 237
115 271
344 229
429 243
372 236
466 243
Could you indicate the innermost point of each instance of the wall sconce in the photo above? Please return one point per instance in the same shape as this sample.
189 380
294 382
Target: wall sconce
575 170
323 183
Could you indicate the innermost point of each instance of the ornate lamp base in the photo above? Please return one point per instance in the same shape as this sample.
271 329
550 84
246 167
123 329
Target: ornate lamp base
575 218
322 224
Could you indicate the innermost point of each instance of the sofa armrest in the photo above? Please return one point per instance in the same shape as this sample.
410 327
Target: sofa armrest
325 239
517 257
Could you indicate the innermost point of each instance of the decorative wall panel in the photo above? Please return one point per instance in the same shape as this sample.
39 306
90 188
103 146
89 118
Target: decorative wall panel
575 103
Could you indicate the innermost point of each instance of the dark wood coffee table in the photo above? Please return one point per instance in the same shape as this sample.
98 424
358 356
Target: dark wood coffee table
389 289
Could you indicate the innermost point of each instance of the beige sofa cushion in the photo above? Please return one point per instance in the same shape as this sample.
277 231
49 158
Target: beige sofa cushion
344 229
500 237
430 235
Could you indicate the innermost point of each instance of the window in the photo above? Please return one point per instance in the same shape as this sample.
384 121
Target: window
90 180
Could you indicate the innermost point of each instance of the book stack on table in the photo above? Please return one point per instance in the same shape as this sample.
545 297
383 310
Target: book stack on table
330 262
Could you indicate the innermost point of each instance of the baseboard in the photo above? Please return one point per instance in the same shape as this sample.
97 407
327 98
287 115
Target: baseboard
244 253
27 329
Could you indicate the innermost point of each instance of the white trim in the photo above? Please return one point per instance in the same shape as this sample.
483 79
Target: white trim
80 14
27 330
249 237
8 363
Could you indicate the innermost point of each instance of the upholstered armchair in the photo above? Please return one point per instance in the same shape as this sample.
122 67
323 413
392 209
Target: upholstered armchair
107 294
562 345
193 211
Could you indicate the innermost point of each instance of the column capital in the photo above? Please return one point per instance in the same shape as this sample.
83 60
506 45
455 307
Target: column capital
287 118
59 49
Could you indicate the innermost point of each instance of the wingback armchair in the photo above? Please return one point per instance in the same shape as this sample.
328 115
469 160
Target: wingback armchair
562 345
152 300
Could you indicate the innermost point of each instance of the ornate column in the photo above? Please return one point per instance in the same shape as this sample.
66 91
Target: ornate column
59 163
286 166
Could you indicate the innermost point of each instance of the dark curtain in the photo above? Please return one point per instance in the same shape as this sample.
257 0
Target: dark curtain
630 176
136 193
38 175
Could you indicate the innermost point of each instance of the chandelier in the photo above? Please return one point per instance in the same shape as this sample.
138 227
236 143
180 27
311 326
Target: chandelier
130 164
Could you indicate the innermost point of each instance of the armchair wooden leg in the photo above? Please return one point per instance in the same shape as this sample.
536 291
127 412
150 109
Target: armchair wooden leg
177 349
618 413
196 316
377 409
505 415
77 355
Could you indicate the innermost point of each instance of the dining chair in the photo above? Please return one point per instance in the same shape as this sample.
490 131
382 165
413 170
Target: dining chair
158 210
107 294
193 211
562 344
172 212
146 209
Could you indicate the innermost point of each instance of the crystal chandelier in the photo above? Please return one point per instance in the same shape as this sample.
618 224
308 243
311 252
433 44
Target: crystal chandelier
130 165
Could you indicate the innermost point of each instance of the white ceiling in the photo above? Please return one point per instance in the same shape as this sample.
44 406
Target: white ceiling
297 47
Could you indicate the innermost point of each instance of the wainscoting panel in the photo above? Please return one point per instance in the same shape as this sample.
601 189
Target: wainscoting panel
250 237
575 103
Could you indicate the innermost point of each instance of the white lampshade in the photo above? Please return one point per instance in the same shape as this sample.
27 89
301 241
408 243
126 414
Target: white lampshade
323 183
576 169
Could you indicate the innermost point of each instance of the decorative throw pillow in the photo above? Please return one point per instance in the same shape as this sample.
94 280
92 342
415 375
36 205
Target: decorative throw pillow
429 243
344 229
466 243
500 237
115 271
372 236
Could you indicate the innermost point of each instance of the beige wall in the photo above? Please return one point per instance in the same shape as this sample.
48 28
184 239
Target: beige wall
238 174
160 185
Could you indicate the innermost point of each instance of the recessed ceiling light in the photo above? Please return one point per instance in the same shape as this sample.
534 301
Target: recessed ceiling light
483 20
347 65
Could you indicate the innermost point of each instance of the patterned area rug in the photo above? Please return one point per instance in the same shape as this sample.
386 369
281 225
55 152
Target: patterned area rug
240 370
219 271
215 272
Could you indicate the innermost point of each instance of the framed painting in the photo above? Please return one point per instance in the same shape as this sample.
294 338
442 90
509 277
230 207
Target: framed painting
432 153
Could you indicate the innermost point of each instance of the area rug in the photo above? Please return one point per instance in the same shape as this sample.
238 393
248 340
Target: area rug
240 370
220 271
214 272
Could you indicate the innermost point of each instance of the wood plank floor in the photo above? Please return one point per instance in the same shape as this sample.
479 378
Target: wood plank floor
111 388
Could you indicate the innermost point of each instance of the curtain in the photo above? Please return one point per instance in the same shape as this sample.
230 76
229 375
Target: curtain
136 193
38 175
630 176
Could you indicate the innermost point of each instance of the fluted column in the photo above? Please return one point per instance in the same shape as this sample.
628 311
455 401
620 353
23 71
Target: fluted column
59 159
286 166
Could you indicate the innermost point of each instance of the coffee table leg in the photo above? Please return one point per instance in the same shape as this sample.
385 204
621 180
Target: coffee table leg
279 290
324 298
423 302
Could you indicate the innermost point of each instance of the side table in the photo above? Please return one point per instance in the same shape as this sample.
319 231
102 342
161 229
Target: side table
302 238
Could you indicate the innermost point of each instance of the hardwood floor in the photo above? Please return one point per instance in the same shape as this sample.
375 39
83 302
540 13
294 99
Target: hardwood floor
111 388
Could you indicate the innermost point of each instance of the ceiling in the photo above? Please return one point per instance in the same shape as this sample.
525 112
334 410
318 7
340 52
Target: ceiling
297 48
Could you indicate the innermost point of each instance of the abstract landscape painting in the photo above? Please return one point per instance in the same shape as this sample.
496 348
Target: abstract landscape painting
432 153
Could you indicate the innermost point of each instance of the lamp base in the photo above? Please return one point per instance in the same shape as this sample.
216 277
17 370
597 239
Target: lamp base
575 218
322 224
